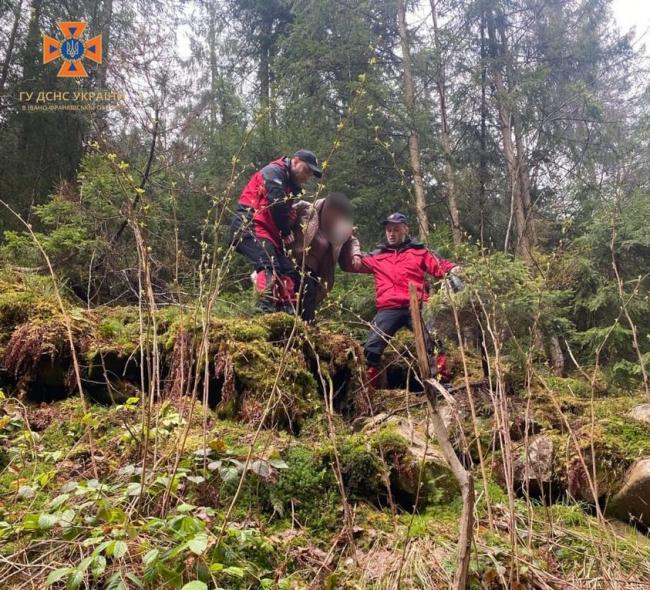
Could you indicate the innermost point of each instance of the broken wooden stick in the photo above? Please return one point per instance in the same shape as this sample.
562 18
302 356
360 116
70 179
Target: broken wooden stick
463 476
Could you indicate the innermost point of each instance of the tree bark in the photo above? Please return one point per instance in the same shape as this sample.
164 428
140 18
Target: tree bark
483 155
264 72
450 172
107 20
10 46
556 356
212 44
513 150
414 140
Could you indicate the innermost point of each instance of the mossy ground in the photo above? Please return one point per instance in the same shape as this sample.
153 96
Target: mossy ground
242 507
287 518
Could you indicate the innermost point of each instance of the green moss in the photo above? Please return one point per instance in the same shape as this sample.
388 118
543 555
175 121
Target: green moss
23 296
246 330
411 480
361 468
118 330
261 370
568 386
617 406
279 325
391 443
308 487
625 436
435 519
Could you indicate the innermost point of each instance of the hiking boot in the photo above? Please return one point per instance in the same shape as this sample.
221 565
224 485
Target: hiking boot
372 378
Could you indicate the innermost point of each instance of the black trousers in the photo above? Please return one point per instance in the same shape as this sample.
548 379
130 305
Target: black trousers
264 255
384 326
308 296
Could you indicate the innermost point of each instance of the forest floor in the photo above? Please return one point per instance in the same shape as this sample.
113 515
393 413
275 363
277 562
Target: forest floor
283 471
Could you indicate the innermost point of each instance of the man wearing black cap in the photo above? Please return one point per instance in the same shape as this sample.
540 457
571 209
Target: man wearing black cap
396 263
262 225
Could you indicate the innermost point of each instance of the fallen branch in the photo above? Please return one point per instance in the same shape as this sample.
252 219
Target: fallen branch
463 476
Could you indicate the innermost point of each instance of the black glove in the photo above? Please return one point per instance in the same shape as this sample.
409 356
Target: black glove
454 279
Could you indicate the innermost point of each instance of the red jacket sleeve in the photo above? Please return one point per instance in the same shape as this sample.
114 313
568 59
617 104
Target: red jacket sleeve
437 267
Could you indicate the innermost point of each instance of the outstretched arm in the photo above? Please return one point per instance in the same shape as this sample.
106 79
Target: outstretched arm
352 259
436 266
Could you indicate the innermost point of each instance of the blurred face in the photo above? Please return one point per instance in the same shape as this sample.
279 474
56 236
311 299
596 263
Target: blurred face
336 224
396 233
330 216
300 171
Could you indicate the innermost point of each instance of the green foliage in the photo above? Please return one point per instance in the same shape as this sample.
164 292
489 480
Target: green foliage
306 489
361 468
261 79
595 298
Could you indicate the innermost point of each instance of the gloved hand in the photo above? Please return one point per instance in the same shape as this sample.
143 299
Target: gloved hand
454 279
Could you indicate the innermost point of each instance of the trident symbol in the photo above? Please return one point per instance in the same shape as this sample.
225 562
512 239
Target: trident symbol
72 49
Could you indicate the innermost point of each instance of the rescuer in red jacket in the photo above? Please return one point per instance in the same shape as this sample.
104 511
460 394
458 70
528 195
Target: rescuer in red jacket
396 263
261 225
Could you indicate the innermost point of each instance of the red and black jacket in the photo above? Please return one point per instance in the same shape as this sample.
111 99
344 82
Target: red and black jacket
394 267
270 193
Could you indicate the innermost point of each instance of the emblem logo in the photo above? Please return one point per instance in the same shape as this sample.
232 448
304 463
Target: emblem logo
72 49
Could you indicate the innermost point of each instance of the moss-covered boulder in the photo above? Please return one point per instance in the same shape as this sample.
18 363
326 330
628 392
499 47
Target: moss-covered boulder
271 369
632 502
416 469
262 382
534 466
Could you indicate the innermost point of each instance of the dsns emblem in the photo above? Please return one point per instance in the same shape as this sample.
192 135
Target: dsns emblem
73 49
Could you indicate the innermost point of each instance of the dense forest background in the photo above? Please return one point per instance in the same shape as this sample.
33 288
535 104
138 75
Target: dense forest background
514 127
516 136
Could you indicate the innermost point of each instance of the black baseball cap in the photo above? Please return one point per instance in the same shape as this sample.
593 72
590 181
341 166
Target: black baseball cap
310 159
395 218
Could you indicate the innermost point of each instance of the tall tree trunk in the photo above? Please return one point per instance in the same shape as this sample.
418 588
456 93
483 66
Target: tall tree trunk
483 139
516 166
10 46
414 140
264 72
518 173
524 182
212 44
450 172
31 59
106 21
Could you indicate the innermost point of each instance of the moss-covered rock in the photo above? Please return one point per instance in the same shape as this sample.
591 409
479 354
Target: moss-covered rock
337 362
419 474
362 469
268 384
632 501
260 368
307 488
